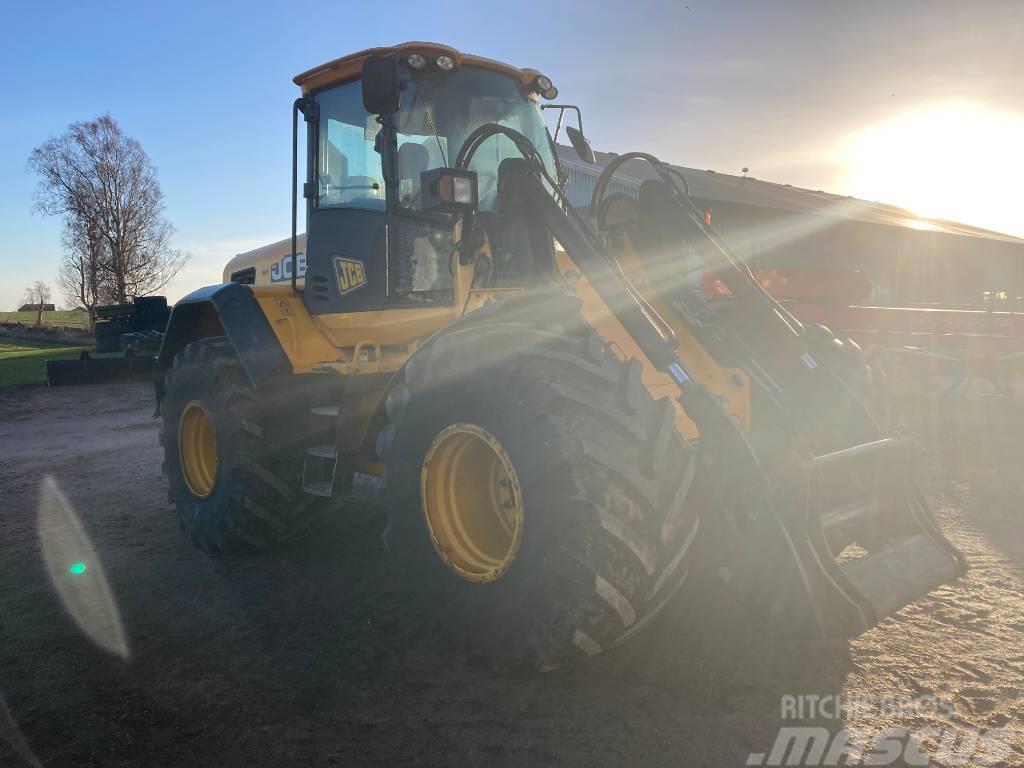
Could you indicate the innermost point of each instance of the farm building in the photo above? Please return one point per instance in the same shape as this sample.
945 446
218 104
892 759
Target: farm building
35 308
909 260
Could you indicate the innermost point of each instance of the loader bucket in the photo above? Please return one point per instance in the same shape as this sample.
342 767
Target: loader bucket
865 540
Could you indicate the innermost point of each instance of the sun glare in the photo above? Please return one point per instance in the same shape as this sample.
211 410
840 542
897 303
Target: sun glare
960 161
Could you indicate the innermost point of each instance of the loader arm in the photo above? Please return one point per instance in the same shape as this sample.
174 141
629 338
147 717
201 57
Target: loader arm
783 500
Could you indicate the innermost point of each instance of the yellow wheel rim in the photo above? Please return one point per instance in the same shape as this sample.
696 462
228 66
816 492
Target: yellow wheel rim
197 448
472 502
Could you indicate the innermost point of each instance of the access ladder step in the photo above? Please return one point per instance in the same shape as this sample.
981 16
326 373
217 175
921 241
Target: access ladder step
323 452
323 488
318 470
320 464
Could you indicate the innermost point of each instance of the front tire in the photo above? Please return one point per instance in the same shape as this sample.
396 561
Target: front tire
600 478
232 455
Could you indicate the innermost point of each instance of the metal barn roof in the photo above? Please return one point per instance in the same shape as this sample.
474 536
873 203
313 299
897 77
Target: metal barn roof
713 186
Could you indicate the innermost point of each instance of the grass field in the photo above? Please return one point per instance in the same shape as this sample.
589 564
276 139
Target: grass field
68 318
24 362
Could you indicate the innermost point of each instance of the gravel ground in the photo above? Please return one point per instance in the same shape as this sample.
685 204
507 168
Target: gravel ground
320 656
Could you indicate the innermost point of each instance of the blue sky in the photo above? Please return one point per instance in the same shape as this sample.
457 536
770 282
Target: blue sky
206 88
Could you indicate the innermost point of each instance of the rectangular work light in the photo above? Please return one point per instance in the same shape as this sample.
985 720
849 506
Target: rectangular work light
447 190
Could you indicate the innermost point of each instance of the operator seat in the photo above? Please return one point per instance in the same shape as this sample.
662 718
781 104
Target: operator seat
521 247
660 227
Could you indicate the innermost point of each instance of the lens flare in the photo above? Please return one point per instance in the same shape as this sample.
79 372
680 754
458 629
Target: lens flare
82 586
10 733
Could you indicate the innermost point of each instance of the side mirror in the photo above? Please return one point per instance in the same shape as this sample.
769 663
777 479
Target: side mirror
381 87
580 144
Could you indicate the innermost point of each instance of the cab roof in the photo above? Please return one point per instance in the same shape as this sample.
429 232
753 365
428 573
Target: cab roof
349 67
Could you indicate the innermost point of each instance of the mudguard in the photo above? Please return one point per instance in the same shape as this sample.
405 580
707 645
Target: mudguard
229 310
528 308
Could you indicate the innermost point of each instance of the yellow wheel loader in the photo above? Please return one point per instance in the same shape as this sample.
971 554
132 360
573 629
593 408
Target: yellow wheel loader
564 429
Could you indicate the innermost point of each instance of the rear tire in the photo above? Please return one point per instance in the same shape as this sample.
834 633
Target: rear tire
256 499
603 475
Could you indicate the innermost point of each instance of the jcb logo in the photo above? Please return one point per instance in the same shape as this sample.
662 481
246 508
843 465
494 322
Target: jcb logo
282 270
351 274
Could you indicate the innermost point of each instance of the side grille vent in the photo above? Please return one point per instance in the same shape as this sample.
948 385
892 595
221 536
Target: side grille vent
245 276
318 286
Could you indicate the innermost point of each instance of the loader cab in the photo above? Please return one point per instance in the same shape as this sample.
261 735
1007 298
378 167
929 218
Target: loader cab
374 242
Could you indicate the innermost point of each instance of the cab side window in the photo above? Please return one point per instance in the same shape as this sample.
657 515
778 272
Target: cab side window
348 167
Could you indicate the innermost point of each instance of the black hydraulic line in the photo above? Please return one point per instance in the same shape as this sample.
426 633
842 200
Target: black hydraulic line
728 266
484 132
529 153
711 234
652 334
720 433
597 270
733 475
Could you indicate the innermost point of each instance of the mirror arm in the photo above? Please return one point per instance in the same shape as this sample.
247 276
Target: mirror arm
576 135
561 115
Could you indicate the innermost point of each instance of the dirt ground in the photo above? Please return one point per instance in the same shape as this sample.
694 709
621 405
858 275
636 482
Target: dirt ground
321 657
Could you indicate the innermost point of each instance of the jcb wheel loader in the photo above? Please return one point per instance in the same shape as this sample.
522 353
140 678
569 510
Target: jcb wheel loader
561 424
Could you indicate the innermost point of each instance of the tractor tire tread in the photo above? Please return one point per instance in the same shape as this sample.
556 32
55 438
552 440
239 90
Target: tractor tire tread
259 506
589 415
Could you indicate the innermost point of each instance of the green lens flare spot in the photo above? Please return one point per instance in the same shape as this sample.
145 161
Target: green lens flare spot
77 569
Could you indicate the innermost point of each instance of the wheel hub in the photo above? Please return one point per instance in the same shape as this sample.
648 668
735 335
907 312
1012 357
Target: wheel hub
197 446
472 502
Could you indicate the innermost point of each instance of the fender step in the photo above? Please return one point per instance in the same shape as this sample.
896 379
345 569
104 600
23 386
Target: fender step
320 464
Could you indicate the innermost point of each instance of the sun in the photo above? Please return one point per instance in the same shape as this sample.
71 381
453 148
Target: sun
959 161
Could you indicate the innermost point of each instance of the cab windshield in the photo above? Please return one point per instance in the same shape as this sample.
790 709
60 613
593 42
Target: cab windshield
440 110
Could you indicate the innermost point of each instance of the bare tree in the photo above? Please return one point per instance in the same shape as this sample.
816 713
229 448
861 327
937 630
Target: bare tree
103 180
80 276
38 294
